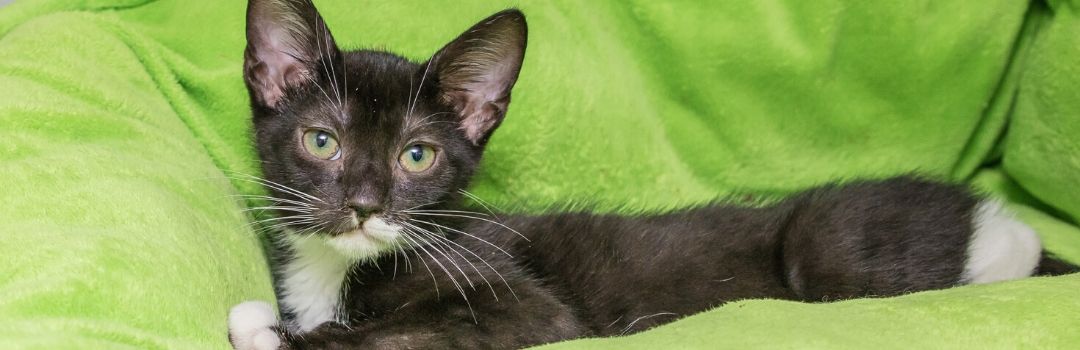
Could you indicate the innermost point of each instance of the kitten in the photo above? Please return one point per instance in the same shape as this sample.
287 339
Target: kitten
369 155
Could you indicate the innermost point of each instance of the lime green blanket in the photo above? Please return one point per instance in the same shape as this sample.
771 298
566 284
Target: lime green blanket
119 120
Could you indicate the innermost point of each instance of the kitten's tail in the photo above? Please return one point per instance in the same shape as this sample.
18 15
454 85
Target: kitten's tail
1050 265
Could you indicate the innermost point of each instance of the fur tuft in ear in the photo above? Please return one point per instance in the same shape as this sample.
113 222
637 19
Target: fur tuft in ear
476 71
286 40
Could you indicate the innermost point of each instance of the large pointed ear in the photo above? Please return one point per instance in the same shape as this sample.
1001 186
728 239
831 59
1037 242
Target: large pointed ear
286 41
477 70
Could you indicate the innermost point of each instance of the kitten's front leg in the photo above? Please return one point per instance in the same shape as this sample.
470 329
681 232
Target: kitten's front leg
383 336
435 331
534 317
253 325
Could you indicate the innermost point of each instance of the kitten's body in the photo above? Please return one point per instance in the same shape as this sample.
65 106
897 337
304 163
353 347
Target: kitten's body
583 274
377 252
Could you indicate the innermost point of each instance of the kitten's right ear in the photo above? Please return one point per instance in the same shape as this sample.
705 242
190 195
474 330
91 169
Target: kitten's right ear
477 70
286 40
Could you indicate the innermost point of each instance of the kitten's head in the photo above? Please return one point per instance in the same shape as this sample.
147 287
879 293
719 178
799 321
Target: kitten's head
355 143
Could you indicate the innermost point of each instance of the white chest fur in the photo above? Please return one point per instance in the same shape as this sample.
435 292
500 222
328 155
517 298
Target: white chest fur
312 283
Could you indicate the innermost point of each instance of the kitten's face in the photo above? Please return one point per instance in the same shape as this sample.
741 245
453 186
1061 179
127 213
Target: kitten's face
358 144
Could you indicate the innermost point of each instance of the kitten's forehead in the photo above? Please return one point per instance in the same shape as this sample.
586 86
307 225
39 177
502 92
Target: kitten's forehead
385 91
382 79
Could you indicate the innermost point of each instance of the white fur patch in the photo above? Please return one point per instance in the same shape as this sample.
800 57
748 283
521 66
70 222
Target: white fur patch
375 237
312 281
1001 248
249 326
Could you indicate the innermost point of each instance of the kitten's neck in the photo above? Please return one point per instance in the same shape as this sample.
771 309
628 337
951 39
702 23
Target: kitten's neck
311 282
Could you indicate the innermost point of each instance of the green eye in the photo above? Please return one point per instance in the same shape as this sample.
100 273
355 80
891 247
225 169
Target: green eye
417 158
321 144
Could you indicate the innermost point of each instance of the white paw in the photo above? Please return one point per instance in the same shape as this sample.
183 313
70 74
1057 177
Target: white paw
250 326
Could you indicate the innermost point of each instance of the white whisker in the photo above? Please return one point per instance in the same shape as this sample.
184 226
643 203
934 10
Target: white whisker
482 202
275 185
408 234
493 245
482 260
268 220
282 208
419 236
631 325
332 78
448 214
313 82
276 200
421 258
420 87
443 241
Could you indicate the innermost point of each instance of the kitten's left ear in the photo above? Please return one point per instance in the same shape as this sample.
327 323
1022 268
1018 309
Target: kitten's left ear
476 71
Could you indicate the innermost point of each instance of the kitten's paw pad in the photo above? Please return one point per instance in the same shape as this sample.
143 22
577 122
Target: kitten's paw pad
251 326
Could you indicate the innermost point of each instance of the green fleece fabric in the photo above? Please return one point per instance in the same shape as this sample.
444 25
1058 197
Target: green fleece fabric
121 122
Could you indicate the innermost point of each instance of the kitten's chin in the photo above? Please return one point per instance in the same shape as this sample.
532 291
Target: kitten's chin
373 238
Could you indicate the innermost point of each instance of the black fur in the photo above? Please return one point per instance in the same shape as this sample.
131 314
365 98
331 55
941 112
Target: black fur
567 275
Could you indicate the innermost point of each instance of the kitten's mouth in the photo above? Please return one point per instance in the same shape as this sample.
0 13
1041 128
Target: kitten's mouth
360 233
369 239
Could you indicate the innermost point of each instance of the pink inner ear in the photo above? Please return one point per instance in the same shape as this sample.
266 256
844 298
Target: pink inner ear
478 86
478 116
481 104
268 93
477 70
275 65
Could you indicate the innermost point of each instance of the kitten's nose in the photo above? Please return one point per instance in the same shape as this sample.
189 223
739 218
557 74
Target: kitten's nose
365 206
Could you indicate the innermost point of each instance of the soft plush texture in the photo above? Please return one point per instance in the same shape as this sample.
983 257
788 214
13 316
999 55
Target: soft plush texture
124 132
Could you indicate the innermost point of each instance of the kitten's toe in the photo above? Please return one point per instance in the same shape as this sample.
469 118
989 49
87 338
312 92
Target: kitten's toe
252 326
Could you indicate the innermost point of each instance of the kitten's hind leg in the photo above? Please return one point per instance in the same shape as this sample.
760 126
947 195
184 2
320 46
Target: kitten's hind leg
254 326
1001 247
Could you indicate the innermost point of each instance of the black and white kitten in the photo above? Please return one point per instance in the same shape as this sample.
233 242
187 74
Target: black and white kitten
368 155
